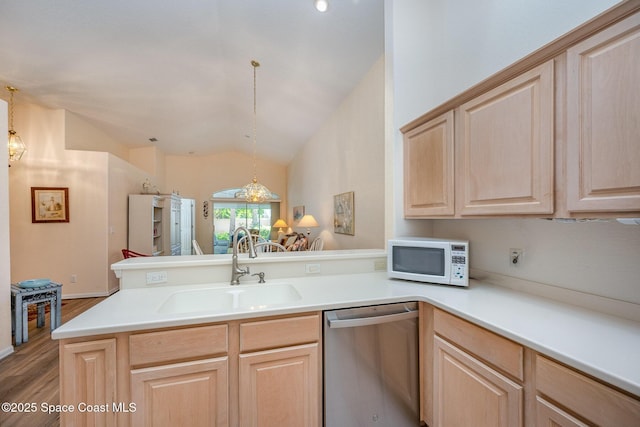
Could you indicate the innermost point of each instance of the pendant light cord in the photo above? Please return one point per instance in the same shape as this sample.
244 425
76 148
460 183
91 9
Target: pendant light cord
11 90
255 64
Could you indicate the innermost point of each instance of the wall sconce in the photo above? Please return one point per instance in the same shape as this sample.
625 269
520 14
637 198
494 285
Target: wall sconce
16 146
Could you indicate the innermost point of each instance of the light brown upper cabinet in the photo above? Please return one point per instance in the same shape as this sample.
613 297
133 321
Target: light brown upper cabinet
428 168
603 120
505 144
556 134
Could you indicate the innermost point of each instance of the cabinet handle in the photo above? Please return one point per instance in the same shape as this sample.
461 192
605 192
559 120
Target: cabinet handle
366 321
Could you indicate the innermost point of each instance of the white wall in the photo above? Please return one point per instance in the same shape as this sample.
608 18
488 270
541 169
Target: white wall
82 247
5 261
443 47
346 154
440 48
598 258
123 179
81 135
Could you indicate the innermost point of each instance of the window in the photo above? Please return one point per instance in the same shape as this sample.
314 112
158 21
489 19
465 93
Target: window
230 213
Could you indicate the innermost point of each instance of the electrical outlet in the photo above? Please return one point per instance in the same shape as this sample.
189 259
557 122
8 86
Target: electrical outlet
154 277
515 256
312 268
380 265
74 278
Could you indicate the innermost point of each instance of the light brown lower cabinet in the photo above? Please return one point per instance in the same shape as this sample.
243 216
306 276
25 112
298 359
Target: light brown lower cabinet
468 392
263 372
182 394
475 377
472 376
87 377
567 398
549 415
280 387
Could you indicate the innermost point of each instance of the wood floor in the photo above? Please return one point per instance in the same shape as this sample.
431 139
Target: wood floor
30 374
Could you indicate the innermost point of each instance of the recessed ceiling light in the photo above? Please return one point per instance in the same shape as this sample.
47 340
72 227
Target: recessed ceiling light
321 5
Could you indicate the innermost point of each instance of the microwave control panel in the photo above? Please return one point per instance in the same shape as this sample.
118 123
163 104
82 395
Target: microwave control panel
459 266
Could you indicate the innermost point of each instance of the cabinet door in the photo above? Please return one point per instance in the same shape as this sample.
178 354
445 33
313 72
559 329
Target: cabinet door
428 169
549 415
469 393
603 120
592 401
280 387
505 147
183 394
88 376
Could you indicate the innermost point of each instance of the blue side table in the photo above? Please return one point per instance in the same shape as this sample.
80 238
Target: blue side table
21 298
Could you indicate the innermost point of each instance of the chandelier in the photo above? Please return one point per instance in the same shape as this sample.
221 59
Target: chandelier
15 145
254 192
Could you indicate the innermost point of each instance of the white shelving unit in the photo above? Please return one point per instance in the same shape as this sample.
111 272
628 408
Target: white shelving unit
146 224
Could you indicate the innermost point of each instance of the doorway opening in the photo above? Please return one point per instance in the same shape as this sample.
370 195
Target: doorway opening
230 213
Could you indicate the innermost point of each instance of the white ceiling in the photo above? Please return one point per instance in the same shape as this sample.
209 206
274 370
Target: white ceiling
180 71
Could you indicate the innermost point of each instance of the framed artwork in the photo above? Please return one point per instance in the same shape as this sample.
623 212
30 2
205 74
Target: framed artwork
343 214
49 204
298 213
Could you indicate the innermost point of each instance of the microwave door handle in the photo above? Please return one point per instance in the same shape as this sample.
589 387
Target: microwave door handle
372 320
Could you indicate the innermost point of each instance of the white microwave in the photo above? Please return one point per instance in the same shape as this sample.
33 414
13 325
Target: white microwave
429 260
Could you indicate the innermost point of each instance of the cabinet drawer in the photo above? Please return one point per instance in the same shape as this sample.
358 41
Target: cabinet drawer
593 401
188 343
494 349
279 332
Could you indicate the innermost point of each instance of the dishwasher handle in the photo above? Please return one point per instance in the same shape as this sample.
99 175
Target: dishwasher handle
334 322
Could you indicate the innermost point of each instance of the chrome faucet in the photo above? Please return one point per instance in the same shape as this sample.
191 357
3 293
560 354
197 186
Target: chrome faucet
237 272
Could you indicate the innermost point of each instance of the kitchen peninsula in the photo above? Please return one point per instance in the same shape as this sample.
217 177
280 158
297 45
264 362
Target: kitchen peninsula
192 325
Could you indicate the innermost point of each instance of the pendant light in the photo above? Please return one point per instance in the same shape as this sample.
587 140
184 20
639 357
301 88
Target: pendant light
15 145
254 192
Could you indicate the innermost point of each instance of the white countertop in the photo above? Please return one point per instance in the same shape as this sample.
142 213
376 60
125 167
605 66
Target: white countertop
598 344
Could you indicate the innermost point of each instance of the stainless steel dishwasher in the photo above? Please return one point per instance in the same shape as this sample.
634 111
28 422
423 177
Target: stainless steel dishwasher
371 366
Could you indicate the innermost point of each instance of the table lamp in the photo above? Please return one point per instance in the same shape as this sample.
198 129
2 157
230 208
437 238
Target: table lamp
280 224
308 221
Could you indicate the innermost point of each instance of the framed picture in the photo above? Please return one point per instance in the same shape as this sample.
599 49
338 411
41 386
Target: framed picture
298 213
343 214
49 204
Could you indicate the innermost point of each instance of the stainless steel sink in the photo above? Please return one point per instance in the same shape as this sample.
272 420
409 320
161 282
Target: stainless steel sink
245 297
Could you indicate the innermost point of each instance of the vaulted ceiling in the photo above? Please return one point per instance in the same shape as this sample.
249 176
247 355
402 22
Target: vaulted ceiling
180 71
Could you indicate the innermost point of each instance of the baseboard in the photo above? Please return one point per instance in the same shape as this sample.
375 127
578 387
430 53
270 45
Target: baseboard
611 306
6 351
87 295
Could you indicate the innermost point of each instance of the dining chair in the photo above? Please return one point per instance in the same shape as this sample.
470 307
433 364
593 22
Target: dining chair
126 253
270 247
243 242
316 245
